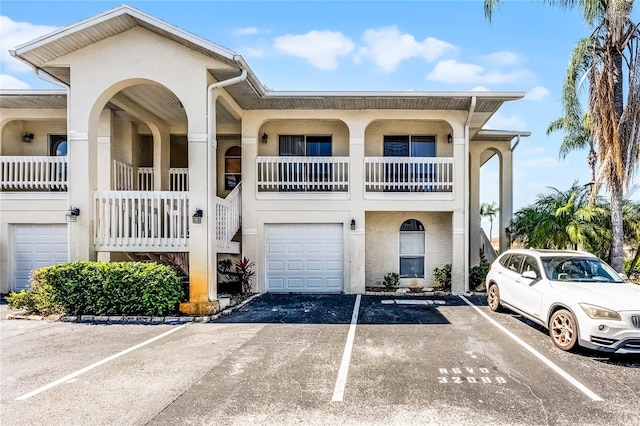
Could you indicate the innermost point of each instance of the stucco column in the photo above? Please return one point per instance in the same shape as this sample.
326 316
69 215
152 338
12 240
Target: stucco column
506 197
458 282
105 165
82 184
161 159
250 238
357 235
198 232
474 208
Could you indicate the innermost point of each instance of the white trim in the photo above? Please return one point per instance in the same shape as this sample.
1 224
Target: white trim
343 372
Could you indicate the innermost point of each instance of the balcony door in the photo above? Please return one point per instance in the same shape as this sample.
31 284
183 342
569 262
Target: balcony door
400 171
301 174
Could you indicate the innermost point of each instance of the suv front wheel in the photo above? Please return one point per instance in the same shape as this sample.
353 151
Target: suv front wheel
563 329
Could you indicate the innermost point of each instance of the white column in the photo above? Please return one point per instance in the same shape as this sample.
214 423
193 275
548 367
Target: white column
506 197
474 207
357 236
105 165
82 184
250 238
161 159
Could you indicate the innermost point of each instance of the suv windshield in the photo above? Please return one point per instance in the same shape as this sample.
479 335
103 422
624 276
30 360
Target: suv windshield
582 269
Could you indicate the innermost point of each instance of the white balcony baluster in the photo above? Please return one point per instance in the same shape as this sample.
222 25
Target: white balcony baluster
306 174
33 173
401 174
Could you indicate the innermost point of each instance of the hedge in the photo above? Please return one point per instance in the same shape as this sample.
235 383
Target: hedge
112 288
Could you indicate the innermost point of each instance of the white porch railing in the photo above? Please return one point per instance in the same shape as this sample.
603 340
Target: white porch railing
303 174
122 176
415 174
228 217
33 173
178 179
148 220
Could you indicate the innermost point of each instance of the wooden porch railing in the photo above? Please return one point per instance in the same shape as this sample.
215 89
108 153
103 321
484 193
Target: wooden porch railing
303 174
33 173
402 174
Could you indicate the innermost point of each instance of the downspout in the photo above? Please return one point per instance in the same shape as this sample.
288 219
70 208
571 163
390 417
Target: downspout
212 247
472 108
515 144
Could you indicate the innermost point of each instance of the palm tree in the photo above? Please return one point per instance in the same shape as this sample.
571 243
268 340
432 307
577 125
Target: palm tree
489 210
563 220
577 136
604 58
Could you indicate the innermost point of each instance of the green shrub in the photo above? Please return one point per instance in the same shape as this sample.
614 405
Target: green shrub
443 277
634 276
114 288
391 281
38 299
477 275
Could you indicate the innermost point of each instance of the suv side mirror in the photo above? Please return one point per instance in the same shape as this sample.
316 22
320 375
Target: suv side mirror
530 275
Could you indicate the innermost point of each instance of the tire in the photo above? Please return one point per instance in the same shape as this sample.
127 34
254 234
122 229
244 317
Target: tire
493 298
563 330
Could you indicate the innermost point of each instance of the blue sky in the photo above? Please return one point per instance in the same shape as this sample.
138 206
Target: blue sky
373 45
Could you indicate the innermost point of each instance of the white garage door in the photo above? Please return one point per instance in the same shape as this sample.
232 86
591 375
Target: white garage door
35 246
304 258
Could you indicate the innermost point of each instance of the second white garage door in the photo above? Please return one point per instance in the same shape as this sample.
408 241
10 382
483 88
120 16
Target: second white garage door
306 258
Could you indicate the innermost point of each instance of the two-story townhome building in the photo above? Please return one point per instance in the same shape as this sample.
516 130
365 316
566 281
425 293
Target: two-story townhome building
160 142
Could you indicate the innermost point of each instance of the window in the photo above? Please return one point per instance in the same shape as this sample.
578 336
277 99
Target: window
409 146
514 262
232 167
412 249
57 145
530 264
305 146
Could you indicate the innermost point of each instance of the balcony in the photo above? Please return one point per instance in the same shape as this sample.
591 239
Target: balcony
33 173
428 176
303 174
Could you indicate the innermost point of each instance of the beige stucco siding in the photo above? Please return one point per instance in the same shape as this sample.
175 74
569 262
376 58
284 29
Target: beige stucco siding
376 131
12 132
382 244
338 130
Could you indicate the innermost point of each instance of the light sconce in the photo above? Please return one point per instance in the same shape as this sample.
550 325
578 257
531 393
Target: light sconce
265 138
353 224
449 138
197 216
72 214
27 137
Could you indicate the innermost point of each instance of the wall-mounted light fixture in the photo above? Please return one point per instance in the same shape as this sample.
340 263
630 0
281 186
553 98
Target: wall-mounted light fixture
353 224
197 216
265 138
27 137
72 214
449 138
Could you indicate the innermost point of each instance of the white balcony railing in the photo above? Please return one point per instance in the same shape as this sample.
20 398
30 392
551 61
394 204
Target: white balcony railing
145 178
122 176
228 215
415 174
147 220
33 173
178 179
303 174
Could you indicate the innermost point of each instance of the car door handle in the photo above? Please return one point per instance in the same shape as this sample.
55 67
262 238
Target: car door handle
518 281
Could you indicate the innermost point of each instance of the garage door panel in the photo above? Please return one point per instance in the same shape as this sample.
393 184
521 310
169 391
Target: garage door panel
36 246
311 259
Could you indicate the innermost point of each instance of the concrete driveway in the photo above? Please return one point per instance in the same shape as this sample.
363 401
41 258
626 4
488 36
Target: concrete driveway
299 359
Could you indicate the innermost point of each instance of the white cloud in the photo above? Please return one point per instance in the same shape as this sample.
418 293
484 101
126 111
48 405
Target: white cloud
537 93
10 82
500 122
387 47
13 34
244 31
252 52
502 58
320 48
480 89
454 72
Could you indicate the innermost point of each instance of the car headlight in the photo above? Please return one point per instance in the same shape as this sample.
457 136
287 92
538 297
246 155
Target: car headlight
596 312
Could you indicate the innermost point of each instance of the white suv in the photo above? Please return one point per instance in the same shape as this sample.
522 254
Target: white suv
579 298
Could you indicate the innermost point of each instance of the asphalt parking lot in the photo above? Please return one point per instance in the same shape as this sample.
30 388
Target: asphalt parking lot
298 359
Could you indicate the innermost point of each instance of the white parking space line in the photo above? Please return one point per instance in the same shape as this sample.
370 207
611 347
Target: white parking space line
341 381
75 374
550 364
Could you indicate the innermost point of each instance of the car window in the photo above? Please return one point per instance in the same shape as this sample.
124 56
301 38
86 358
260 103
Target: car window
579 269
504 260
531 264
514 262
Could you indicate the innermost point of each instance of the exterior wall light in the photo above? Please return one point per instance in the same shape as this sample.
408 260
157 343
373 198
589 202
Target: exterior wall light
72 214
265 138
197 216
353 224
27 137
449 138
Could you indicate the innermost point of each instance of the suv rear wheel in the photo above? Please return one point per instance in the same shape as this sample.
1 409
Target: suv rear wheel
493 297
